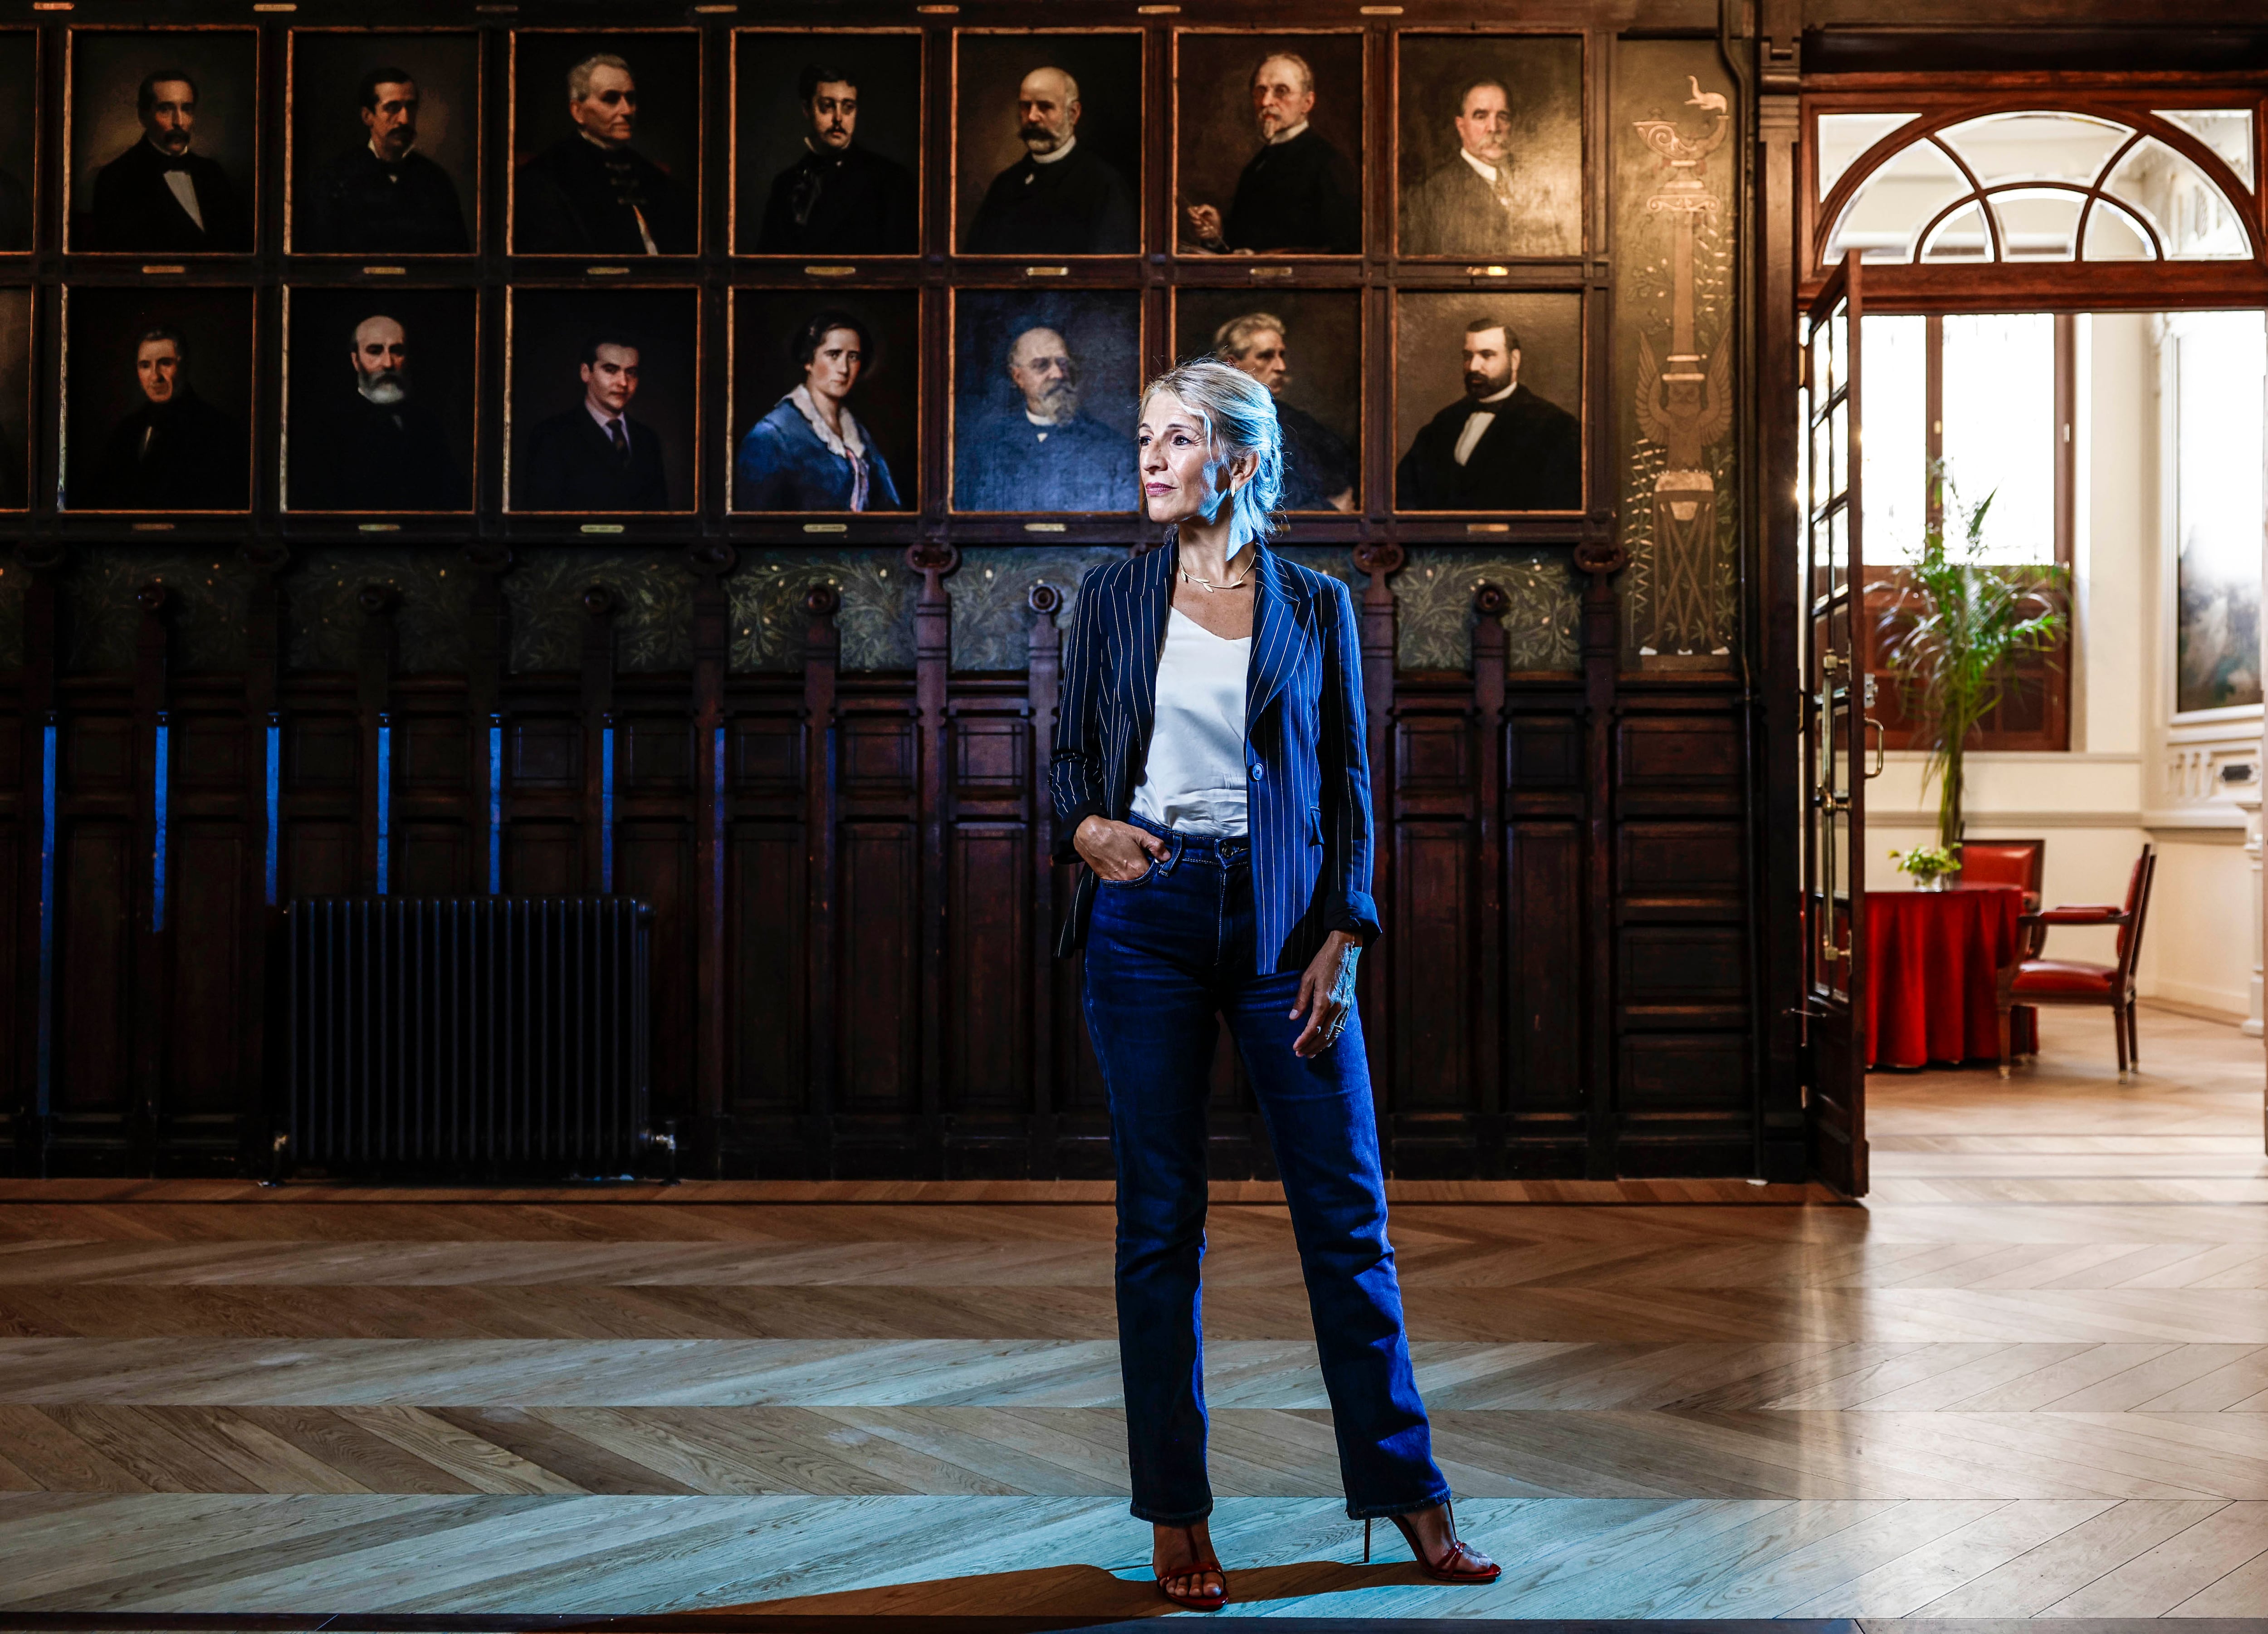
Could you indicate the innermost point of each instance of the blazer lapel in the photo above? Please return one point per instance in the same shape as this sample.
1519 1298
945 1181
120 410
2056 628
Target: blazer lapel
1153 598
1276 630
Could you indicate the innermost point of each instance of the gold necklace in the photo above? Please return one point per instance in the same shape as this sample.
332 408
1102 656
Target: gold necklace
1208 586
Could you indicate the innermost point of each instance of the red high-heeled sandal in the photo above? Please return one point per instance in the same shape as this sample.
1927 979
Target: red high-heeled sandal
1199 1601
1461 1564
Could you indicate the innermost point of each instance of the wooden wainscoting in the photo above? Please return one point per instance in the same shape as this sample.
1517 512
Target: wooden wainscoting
853 974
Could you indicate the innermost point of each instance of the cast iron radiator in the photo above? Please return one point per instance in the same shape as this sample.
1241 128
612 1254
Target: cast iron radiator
446 1034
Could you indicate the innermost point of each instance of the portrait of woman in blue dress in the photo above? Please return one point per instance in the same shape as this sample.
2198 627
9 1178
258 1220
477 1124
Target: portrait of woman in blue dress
810 452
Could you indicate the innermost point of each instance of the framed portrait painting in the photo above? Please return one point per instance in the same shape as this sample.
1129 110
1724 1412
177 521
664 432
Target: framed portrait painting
383 143
602 405
827 142
825 402
1306 347
163 141
1488 401
158 388
1488 145
1043 385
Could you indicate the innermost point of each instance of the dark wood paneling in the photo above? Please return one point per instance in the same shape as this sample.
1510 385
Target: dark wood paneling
543 859
545 754
322 752
206 1058
657 755
1681 859
1545 1039
767 758
1675 974
989 913
770 958
1433 996
1670 751
95 889
878 1034
319 859
1683 1076
435 859
653 861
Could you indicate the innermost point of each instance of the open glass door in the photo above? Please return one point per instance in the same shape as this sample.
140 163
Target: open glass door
1837 689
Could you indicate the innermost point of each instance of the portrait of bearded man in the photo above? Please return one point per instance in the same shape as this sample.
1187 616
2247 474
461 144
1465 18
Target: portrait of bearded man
1063 197
380 449
1042 451
1296 195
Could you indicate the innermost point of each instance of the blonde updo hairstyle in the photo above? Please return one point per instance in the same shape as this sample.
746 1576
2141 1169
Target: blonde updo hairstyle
1238 413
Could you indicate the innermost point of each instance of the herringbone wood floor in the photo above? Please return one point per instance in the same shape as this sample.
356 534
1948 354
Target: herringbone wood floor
2030 1378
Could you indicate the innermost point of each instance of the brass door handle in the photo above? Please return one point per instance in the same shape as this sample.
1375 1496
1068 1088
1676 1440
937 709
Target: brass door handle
1882 740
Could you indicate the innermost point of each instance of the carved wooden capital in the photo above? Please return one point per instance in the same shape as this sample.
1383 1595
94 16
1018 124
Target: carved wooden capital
713 560
1045 599
1379 558
153 597
1601 557
1491 600
601 601
822 601
932 556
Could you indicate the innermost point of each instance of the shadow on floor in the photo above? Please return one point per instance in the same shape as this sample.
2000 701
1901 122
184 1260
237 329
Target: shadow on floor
1086 1594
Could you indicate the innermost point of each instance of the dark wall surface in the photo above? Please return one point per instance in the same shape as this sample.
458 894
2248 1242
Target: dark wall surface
815 743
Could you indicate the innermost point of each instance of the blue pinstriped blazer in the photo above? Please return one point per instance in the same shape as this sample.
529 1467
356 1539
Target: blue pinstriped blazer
1309 793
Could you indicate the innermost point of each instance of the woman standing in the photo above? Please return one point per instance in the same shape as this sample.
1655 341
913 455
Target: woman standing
1209 771
810 452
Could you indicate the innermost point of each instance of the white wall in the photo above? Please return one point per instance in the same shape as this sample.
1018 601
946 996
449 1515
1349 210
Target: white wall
2130 775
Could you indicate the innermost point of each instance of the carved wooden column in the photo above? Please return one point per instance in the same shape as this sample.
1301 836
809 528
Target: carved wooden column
262 796
596 704
1380 648
932 664
1601 650
1774 884
35 889
1043 689
823 663
712 651
487 642
1490 605
152 987
376 644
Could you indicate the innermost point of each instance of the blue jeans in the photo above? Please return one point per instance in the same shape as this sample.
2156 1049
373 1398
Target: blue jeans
1165 955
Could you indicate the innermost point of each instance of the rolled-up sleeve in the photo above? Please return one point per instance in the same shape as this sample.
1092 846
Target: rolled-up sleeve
1344 758
1075 778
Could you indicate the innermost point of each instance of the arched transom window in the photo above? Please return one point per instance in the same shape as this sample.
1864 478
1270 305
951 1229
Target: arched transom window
2037 184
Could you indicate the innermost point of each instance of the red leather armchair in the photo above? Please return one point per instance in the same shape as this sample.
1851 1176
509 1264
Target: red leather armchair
2020 862
2035 980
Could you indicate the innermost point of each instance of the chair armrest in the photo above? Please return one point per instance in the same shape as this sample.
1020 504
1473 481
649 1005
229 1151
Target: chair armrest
2032 929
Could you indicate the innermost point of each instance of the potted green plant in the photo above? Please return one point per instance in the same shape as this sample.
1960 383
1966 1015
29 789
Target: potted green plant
1932 866
1952 629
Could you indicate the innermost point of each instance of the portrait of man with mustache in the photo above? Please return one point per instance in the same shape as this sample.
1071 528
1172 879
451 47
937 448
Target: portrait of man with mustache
381 449
1500 446
839 197
1045 452
1062 198
1296 195
161 197
382 196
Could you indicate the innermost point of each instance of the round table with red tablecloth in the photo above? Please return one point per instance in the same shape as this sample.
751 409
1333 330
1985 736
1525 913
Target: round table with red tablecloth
1931 968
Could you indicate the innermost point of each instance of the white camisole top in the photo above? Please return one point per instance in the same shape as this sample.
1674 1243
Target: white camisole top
1194 779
